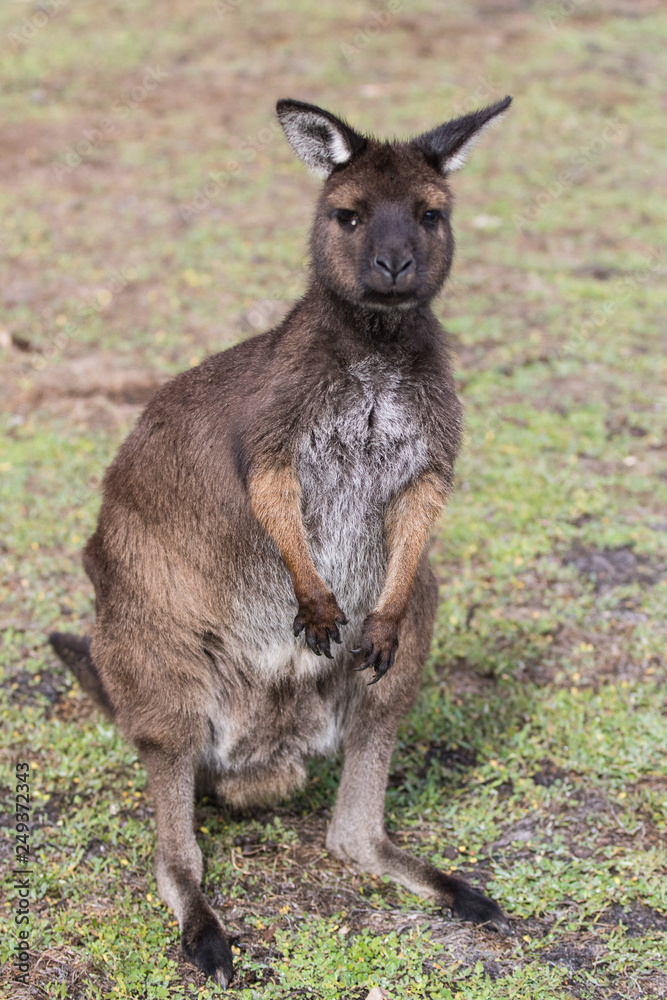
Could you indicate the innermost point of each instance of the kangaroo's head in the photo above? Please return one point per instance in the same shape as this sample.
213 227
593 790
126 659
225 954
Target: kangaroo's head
382 235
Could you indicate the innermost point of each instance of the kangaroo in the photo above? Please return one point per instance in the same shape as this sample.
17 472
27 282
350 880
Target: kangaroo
261 554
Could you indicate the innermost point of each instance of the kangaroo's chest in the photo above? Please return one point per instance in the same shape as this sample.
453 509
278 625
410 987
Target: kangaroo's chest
368 436
366 443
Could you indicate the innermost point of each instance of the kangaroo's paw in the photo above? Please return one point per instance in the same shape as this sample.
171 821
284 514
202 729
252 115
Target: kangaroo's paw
205 945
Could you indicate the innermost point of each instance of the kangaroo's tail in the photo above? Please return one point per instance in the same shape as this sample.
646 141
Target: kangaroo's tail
74 651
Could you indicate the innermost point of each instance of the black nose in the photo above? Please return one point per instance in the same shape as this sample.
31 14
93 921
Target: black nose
394 266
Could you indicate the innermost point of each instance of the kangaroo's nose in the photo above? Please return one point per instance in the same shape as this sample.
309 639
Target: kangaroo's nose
394 266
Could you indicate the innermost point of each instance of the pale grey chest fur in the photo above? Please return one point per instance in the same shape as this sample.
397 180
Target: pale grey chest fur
365 446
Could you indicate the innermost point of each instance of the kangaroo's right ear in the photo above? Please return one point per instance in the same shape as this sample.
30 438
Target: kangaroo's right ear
320 140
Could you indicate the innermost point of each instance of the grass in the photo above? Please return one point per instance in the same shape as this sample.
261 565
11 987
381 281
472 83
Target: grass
535 758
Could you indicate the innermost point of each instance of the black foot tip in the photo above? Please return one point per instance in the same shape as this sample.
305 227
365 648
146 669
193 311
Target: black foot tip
67 642
211 953
60 640
472 905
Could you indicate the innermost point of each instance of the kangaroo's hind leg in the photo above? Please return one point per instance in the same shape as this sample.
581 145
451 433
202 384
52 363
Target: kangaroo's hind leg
357 832
178 863
161 693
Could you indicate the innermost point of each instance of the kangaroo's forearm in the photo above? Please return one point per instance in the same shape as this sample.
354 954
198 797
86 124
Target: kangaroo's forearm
408 524
275 496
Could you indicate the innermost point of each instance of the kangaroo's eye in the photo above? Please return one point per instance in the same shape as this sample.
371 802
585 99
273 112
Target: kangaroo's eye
431 217
348 218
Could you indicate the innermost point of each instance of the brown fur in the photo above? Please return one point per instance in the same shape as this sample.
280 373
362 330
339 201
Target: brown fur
308 462
275 496
408 524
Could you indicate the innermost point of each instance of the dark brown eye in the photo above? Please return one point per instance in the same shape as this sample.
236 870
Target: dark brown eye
431 217
348 218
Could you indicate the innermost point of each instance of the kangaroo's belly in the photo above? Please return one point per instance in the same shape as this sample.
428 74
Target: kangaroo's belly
264 728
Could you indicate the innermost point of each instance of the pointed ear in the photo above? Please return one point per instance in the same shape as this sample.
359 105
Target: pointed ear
320 140
448 145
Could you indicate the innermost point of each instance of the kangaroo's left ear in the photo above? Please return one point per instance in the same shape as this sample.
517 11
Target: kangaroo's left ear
320 140
448 145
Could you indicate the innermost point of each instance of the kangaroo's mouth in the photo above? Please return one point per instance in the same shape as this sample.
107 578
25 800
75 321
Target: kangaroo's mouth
391 299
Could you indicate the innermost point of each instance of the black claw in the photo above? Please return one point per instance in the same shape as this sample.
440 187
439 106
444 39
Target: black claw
312 643
380 671
342 620
298 626
370 656
380 662
325 647
355 650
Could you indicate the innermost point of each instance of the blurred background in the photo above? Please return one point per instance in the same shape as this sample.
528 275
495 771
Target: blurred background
152 213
